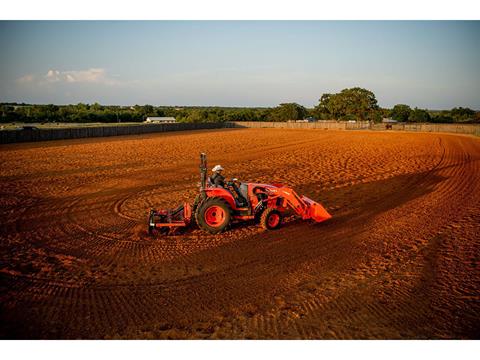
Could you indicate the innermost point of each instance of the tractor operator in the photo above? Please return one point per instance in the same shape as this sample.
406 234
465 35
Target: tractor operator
218 180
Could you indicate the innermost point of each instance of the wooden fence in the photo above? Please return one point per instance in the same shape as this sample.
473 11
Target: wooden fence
471 129
14 136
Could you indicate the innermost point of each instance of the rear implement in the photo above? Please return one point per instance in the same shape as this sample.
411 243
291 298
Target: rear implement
170 220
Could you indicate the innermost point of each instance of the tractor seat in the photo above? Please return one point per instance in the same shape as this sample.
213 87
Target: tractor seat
243 189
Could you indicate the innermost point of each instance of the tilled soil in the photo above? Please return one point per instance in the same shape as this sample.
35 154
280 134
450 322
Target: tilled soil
398 260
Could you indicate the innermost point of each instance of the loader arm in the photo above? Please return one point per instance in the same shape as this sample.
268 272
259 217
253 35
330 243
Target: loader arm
293 201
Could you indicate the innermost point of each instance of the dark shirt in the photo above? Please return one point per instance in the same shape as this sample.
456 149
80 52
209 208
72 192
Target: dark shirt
218 180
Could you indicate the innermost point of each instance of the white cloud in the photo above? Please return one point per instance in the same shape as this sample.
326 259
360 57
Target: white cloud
92 75
52 76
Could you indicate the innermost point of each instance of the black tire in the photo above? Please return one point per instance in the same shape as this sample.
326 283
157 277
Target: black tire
196 203
206 207
271 219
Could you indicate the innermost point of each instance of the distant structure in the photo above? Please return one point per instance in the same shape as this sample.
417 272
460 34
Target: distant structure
389 121
160 120
308 119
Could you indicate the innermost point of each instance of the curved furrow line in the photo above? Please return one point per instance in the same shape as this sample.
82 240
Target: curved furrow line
453 172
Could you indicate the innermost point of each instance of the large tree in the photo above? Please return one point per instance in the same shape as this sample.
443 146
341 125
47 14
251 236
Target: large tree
401 112
356 103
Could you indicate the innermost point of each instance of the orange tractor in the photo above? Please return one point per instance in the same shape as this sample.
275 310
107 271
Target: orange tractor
215 208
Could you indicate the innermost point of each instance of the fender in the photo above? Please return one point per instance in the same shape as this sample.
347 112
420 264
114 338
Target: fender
223 193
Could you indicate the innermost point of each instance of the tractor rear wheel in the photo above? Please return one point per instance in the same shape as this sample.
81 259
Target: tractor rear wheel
271 219
213 215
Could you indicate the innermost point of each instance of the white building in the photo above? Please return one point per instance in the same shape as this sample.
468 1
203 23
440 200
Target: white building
389 121
160 120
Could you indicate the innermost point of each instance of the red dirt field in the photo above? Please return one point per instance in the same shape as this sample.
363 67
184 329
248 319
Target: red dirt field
399 260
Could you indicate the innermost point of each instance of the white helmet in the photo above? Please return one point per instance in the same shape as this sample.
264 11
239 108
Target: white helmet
218 168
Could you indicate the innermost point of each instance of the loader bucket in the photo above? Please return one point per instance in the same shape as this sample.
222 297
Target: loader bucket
316 211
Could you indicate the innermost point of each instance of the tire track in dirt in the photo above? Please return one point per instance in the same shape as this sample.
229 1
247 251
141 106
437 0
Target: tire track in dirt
300 282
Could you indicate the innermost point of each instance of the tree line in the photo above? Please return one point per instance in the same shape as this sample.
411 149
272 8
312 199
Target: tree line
349 104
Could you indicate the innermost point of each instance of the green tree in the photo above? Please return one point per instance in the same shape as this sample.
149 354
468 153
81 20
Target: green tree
359 102
443 119
461 114
288 111
96 107
401 112
197 116
419 115
148 110
354 103
8 114
326 109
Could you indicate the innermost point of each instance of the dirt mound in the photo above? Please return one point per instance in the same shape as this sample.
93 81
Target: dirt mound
399 259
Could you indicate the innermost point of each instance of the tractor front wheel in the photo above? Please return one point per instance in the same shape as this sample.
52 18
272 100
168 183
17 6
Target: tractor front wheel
213 215
271 219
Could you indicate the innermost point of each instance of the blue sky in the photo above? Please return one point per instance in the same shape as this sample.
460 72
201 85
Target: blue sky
429 64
